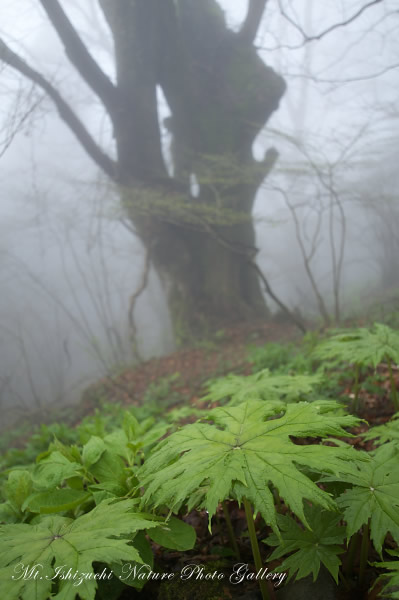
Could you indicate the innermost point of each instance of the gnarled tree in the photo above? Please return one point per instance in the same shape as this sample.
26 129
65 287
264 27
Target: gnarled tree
220 94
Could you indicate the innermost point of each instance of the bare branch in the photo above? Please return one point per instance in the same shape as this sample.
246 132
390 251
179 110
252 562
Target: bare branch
17 124
252 21
311 38
340 81
306 257
65 111
80 57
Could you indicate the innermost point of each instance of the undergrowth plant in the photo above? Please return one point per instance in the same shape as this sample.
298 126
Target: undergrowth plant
103 493
74 506
280 358
390 580
244 453
263 385
363 347
388 432
54 542
306 549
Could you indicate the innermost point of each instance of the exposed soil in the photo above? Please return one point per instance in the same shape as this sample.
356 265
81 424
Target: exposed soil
226 352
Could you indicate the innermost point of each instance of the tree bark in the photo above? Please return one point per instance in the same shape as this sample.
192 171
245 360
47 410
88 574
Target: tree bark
220 94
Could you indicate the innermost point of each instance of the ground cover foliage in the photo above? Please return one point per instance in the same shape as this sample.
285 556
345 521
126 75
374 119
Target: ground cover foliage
269 477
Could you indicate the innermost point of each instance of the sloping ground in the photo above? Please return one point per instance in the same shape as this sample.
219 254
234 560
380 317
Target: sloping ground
191 367
177 378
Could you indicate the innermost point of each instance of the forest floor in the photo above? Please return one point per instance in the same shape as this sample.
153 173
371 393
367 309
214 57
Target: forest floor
182 374
180 379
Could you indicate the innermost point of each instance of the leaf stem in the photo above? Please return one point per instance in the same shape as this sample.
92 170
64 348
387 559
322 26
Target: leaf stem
343 580
364 552
394 393
255 547
357 388
230 530
350 557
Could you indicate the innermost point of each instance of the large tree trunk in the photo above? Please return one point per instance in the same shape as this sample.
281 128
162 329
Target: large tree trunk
220 94
208 285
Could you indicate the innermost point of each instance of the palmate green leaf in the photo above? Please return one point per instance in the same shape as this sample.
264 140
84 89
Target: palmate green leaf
311 548
262 385
389 432
183 412
247 447
391 579
374 495
67 543
361 346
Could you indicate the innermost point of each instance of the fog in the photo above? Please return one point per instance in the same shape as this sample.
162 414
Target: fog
327 217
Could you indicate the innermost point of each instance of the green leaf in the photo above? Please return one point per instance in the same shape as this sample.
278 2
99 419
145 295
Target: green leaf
55 500
311 548
110 467
374 495
174 534
76 483
93 450
391 579
261 386
384 433
58 542
126 571
52 470
112 487
362 346
183 412
116 442
247 447
8 514
131 426
134 437
18 488
152 434
72 453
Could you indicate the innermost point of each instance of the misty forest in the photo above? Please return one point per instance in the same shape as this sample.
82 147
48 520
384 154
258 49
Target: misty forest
199 299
